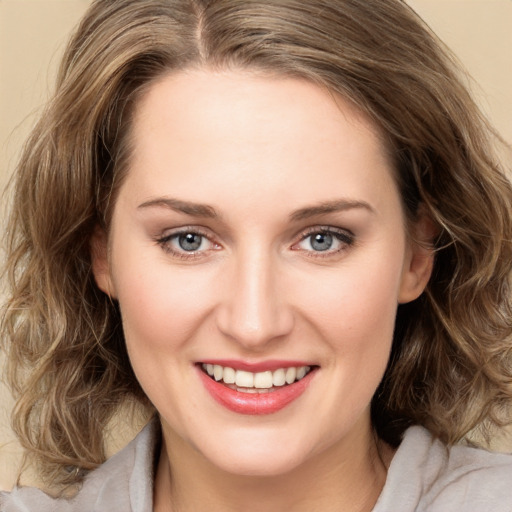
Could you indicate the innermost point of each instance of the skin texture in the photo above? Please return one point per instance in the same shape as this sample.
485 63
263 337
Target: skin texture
263 153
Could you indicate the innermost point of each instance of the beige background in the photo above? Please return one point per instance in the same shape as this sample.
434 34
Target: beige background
33 33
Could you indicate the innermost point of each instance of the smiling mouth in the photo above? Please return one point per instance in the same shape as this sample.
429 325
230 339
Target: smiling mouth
260 382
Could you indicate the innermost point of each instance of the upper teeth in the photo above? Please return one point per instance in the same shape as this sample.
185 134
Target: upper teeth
260 380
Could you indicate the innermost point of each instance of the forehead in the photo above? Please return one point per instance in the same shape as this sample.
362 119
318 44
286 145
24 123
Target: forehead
247 96
238 131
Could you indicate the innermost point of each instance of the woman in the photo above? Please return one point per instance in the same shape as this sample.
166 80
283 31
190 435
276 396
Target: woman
280 226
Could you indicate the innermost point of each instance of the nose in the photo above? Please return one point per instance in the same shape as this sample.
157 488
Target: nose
253 308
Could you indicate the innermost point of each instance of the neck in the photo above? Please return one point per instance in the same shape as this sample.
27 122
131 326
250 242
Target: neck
348 476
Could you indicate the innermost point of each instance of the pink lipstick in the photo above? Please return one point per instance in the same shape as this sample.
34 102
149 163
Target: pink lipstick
257 400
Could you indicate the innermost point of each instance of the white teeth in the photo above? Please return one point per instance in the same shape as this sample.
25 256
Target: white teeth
263 380
301 372
291 374
251 382
229 375
248 390
218 372
279 377
244 379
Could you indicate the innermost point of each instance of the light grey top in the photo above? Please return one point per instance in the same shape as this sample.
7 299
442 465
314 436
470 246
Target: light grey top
424 476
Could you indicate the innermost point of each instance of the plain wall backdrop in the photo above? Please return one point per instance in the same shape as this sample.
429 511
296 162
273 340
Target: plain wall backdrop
33 34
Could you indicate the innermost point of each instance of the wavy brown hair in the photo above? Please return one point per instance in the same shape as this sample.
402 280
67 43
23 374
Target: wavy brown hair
450 368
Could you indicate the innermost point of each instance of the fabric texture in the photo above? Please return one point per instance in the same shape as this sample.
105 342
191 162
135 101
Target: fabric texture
124 483
424 476
427 476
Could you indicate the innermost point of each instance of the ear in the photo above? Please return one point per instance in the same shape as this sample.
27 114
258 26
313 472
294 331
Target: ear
419 260
100 261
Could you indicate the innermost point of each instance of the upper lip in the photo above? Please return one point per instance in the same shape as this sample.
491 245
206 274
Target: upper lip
256 366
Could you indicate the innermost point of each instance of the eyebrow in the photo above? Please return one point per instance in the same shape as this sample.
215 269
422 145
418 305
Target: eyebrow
186 207
205 210
327 207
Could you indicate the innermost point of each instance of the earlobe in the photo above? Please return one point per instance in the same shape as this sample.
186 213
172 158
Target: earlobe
100 261
416 274
419 262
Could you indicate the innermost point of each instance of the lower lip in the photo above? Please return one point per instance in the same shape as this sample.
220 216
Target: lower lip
255 403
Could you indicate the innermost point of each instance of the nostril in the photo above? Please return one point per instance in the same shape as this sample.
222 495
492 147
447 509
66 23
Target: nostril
255 329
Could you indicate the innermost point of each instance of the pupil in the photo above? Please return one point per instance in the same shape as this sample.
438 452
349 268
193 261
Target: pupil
190 241
321 242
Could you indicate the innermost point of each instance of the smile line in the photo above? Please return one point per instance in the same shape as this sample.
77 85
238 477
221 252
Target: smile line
252 382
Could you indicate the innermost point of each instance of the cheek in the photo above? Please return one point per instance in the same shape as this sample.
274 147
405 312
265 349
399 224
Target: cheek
359 300
161 308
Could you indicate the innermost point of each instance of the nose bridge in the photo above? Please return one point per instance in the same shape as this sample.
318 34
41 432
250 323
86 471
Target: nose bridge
255 310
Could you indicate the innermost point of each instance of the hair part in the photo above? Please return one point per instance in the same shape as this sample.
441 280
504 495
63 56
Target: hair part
450 368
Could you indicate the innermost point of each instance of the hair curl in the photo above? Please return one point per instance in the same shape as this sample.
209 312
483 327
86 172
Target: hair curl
450 368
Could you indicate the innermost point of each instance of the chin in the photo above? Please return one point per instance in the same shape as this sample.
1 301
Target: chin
257 455
258 465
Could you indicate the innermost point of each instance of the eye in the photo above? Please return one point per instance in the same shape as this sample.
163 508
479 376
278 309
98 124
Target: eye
188 243
321 241
325 240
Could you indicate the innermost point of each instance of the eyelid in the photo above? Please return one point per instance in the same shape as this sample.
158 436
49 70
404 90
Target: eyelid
164 241
343 235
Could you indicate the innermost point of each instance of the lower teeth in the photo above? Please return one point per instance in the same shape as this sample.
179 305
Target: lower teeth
252 390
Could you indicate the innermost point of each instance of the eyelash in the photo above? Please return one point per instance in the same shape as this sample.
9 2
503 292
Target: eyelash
165 243
344 237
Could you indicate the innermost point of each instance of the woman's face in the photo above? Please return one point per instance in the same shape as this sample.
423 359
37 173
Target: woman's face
259 236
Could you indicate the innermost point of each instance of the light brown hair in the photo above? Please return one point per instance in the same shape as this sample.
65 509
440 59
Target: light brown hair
450 368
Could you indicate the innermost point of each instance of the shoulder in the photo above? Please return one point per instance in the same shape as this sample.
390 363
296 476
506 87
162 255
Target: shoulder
425 475
123 482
